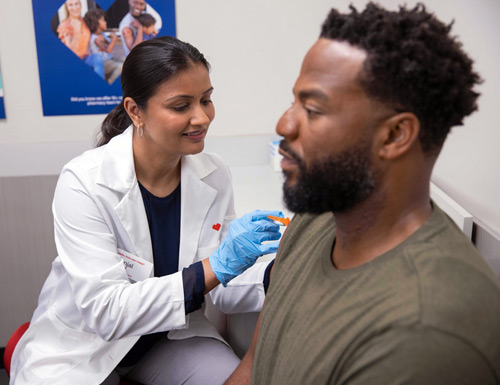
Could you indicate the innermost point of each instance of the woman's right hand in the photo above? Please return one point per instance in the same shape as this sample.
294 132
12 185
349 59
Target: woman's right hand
243 244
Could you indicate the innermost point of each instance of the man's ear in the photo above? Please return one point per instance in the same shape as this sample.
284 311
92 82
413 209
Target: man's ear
133 110
399 133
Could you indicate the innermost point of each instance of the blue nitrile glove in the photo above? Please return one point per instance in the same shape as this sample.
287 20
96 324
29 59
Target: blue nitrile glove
242 245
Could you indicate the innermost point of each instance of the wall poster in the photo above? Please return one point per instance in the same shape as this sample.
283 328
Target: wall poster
81 46
2 106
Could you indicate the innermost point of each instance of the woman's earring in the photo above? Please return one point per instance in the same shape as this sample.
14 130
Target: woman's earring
140 130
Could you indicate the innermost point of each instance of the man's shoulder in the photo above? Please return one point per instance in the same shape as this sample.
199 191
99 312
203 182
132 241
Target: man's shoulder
459 293
125 21
445 259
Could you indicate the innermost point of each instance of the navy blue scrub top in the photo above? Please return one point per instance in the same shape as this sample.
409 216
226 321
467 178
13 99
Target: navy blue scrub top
164 219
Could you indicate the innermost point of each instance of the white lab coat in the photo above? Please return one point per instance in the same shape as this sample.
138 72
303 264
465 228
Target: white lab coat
89 314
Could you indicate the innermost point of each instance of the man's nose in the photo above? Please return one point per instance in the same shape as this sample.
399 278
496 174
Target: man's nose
288 125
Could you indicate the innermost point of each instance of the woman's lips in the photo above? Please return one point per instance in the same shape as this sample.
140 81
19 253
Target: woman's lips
199 134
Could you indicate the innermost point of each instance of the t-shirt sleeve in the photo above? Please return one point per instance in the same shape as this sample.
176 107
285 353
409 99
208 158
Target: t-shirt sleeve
417 356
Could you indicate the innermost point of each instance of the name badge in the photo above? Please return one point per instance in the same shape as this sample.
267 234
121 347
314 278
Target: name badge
137 269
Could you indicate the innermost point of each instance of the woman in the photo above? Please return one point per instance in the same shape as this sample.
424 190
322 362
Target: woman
146 207
75 34
73 31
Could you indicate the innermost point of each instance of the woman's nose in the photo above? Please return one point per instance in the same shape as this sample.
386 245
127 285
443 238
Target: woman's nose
200 117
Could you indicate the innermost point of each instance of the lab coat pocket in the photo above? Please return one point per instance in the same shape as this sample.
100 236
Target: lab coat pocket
205 252
63 347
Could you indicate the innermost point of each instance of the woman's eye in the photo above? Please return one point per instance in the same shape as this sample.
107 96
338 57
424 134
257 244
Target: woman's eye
206 102
181 108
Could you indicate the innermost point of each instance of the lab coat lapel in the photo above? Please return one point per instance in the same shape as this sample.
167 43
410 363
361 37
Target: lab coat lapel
133 217
117 173
196 199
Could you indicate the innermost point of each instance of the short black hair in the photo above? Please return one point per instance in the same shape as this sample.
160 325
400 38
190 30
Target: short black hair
92 18
413 64
146 19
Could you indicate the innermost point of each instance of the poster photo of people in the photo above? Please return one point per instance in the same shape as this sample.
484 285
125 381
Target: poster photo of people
82 44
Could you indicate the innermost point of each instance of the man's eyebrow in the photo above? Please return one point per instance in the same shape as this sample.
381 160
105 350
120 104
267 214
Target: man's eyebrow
315 94
189 96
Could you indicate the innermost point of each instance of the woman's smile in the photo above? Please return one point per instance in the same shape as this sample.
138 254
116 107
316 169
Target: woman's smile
196 135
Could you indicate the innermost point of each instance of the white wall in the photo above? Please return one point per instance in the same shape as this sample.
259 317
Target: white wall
255 48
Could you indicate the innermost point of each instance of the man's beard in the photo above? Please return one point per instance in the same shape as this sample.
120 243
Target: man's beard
334 184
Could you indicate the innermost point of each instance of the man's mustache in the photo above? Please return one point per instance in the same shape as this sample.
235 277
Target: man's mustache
285 146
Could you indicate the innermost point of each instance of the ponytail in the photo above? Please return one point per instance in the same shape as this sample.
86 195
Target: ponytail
114 124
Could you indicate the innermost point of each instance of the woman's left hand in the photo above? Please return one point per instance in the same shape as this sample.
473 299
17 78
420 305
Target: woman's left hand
243 244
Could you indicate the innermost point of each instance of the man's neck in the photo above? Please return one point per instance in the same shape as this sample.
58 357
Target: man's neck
375 227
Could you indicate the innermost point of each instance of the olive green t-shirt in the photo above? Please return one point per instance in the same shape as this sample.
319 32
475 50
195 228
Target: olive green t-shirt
426 312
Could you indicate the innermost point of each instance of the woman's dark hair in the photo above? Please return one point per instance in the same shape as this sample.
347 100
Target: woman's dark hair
149 65
413 64
92 18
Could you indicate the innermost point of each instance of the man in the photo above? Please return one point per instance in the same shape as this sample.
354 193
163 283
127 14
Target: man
131 29
373 283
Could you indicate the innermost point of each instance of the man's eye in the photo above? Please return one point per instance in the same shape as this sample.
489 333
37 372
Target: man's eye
310 112
206 102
